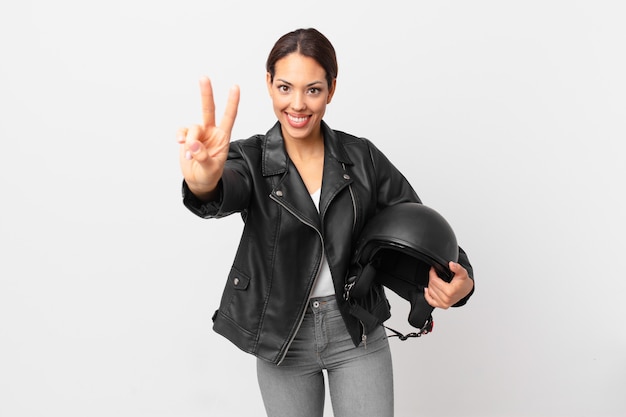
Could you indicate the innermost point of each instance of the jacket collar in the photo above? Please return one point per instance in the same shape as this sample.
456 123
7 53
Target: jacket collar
275 159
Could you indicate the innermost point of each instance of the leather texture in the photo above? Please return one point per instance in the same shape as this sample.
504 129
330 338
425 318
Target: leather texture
284 236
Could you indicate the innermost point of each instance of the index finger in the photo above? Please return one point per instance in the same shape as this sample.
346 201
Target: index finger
208 103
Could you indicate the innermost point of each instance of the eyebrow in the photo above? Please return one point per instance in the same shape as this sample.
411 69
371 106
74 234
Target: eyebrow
308 85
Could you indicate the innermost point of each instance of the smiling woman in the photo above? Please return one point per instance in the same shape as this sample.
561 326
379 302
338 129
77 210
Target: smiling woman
507 117
306 192
301 79
299 96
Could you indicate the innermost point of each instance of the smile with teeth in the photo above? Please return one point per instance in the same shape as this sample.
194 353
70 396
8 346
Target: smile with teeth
297 119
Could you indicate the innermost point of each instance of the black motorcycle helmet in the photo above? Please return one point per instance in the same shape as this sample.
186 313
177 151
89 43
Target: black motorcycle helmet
397 248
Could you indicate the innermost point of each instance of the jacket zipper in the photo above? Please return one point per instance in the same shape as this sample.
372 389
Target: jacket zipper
302 314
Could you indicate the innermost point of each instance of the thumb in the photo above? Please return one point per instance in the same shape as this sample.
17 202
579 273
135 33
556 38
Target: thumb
196 151
194 148
457 270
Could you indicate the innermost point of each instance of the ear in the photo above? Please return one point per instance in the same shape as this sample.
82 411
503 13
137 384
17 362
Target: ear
331 91
268 81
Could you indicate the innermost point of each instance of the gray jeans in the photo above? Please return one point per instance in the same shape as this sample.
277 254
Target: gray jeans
360 378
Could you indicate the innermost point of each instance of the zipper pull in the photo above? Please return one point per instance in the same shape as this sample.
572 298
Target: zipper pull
363 335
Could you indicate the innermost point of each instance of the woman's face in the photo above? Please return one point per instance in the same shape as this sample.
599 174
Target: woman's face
299 95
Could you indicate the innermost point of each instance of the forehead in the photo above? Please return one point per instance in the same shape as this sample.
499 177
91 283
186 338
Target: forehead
296 67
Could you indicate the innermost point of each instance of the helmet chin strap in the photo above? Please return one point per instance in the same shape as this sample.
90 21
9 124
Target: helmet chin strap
421 311
361 278
425 329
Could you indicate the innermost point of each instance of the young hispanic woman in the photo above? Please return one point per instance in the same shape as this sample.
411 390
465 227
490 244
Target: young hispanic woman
305 191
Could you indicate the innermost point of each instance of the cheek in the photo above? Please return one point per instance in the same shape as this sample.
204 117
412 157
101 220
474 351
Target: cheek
279 102
319 106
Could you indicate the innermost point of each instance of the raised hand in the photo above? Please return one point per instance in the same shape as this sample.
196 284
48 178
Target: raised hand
204 148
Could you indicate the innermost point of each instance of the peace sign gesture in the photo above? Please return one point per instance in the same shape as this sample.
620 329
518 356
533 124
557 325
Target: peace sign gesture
204 148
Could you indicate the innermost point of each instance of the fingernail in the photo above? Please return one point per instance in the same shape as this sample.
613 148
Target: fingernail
180 139
188 155
195 147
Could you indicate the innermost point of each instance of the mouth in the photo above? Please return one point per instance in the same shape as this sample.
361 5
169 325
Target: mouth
297 121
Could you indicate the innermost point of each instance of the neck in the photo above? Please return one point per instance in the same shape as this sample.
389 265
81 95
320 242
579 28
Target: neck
305 149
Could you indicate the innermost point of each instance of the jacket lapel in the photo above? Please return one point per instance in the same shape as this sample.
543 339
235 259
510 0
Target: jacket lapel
290 190
335 176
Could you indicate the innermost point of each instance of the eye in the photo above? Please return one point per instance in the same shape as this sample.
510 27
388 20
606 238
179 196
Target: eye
283 88
314 90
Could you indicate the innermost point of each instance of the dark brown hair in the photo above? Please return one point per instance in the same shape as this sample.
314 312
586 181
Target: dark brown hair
307 42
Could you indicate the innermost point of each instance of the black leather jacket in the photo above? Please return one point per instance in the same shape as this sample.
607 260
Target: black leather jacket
284 236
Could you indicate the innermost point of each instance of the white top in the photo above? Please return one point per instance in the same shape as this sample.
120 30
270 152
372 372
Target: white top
323 285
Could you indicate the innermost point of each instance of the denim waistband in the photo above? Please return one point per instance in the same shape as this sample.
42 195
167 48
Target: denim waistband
328 302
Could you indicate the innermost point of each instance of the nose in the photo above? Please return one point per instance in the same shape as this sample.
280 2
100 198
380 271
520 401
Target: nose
298 103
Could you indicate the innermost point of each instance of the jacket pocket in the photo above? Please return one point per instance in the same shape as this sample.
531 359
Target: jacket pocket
237 281
238 303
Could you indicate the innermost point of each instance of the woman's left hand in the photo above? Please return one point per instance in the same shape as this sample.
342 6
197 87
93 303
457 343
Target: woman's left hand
442 294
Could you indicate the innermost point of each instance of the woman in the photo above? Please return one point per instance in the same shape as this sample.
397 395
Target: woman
305 191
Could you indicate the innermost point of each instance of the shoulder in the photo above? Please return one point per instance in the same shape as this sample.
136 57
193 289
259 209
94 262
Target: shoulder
357 145
348 139
250 144
246 148
343 140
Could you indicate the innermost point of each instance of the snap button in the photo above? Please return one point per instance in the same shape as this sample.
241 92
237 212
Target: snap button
316 304
236 281
279 193
346 176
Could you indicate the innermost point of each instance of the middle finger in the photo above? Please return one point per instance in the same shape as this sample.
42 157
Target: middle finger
208 103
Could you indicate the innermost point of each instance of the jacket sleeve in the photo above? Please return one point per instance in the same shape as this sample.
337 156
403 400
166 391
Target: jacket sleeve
394 188
234 189
464 261
391 185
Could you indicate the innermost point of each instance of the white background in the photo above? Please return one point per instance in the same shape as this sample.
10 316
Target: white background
508 117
